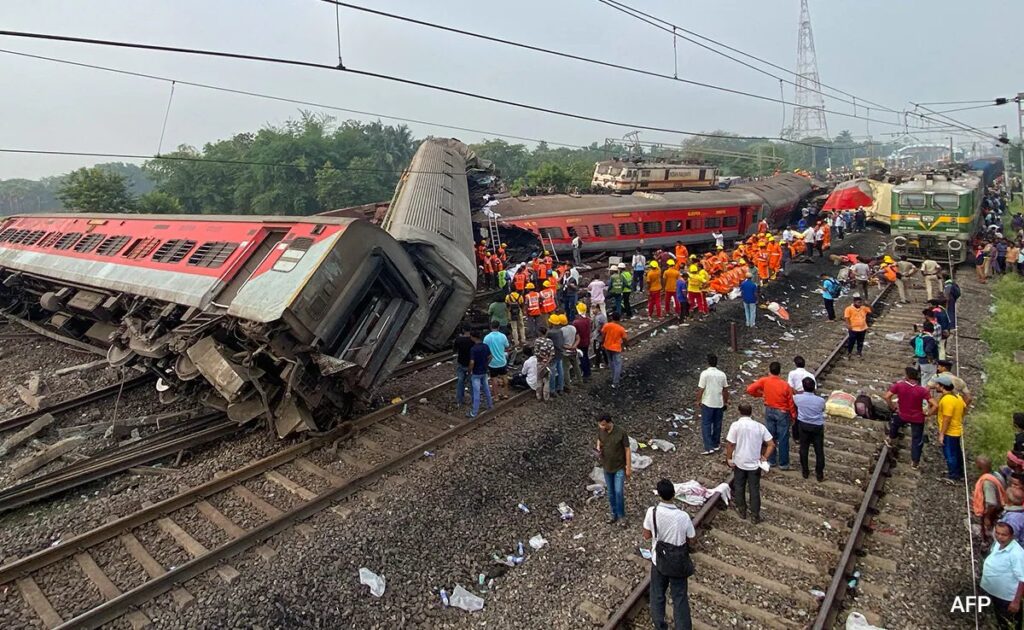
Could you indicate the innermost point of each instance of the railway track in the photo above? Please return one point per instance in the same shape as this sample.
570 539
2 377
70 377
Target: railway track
835 538
285 489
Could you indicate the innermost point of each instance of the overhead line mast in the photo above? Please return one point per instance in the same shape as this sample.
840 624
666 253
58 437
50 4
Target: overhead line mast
809 114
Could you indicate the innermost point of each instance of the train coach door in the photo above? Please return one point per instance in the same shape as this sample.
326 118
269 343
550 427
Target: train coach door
745 221
251 264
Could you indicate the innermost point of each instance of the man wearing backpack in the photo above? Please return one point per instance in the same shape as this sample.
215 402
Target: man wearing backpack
830 292
672 532
926 352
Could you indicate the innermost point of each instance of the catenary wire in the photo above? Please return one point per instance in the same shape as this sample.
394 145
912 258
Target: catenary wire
384 77
580 58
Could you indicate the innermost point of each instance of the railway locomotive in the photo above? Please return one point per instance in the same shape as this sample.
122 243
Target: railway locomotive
288 318
626 176
655 220
936 213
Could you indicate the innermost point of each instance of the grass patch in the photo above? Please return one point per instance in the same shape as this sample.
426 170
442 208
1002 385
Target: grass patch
992 424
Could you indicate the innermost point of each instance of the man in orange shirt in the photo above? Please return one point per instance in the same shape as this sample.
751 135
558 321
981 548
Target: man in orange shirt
668 280
682 254
856 316
774 257
761 258
653 282
615 339
779 410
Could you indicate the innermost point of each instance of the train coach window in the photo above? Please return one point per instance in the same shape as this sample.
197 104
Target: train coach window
673 226
711 222
50 239
112 245
730 221
291 256
141 248
89 243
7 234
606 230
173 251
67 240
629 229
28 237
551 232
212 254
652 227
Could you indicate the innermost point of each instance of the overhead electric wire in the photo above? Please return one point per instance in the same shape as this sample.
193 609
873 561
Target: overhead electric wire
385 77
669 26
988 100
582 59
948 120
964 109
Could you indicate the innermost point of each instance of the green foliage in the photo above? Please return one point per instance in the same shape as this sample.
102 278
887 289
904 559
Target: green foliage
158 202
992 424
95 190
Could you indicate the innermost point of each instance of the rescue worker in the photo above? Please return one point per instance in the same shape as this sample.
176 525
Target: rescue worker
762 258
548 303
695 289
488 271
888 269
654 286
533 312
540 270
502 254
774 257
627 290
668 280
481 249
515 304
520 280
762 226
615 289
826 235
498 269
682 254
722 258
548 261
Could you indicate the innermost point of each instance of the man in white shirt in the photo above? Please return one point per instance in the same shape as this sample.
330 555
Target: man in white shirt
798 374
787 236
577 243
712 397
596 289
745 450
532 371
719 238
930 270
861 273
639 264
673 527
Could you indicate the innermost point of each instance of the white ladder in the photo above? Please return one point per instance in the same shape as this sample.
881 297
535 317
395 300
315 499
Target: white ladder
492 230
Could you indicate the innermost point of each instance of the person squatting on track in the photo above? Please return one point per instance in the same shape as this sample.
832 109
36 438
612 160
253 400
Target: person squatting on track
616 461
748 445
671 532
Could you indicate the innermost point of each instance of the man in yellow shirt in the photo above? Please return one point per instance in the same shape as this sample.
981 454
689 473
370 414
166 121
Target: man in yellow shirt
950 414
856 316
696 283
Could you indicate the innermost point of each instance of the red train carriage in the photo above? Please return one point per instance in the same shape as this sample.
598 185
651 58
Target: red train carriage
650 220
282 316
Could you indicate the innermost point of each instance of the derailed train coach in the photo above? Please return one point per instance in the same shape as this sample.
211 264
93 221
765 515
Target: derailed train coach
283 317
430 215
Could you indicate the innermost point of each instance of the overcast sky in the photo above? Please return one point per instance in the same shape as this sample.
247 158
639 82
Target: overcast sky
881 50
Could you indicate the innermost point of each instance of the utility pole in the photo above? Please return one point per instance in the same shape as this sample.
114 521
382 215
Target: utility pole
951 157
1020 139
809 113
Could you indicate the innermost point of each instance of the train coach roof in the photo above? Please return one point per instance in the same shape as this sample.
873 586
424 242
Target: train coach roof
220 218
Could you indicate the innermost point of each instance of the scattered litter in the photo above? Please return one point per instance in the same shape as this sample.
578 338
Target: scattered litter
673 434
538 541
771 318
55 543
896 336
788 337
826 524
645 553
578 536
817 594
523 508
424 401
852 381
519 549
481 579
405 409
565 511
374 581
662 445
641 461
680 417
634 445
764 466
596 491
428 453
673 327
597 476
857 621
461 598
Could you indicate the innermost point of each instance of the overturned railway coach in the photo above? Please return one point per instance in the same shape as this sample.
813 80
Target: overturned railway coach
284 317
655 220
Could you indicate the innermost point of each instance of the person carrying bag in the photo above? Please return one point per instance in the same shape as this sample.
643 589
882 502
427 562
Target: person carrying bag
672 565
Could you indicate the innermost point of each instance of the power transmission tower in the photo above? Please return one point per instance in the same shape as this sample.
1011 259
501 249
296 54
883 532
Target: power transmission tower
809 113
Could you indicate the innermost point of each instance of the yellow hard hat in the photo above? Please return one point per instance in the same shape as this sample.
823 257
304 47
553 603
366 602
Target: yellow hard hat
581 308
504 244
529 285
513 295
771 238
654 264
693 268
547 253
693 256
553 319
547 284
887 259
671 263
487 253
483 242
742 261
719 247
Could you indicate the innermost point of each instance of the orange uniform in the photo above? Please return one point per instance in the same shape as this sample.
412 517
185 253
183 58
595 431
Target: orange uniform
774 258
762 259
547 301
826 236
682 254
718 284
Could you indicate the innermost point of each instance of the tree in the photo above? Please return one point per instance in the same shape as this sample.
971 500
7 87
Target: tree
95 190
158 202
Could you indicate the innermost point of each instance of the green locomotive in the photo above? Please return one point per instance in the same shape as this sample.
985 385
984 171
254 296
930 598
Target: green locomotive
934 215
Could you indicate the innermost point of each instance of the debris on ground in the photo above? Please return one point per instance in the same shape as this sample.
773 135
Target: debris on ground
461 598
374 581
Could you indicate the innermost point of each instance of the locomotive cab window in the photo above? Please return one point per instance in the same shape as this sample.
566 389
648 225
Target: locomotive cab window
711 222
945 201
673 226
551 232
290 257
606 230
628 229
652 227
730 221
912 200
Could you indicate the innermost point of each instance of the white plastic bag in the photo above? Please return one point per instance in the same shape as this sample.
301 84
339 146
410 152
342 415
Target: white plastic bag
538 541
641 461
374 581
634 445
461 598
597 476
662 445
857 621
896 336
